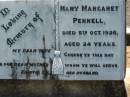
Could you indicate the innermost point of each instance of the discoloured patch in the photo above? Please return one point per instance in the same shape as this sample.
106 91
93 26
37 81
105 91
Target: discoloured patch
14 71
27 69
45 72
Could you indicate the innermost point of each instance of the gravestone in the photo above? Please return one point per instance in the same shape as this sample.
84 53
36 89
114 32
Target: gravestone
62 39
27 39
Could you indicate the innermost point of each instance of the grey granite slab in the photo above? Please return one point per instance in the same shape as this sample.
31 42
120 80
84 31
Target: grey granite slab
27 39
62 39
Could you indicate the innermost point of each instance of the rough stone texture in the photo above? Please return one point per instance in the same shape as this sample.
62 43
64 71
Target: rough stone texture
14 88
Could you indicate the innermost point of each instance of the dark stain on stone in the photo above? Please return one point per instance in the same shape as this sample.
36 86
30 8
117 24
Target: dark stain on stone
44 51
54 16
45 72
14 70
51 62
27 69
53 11
52 76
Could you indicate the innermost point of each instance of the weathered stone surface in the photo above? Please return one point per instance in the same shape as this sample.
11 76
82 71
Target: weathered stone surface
15 88
62 39
27 39
92 39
